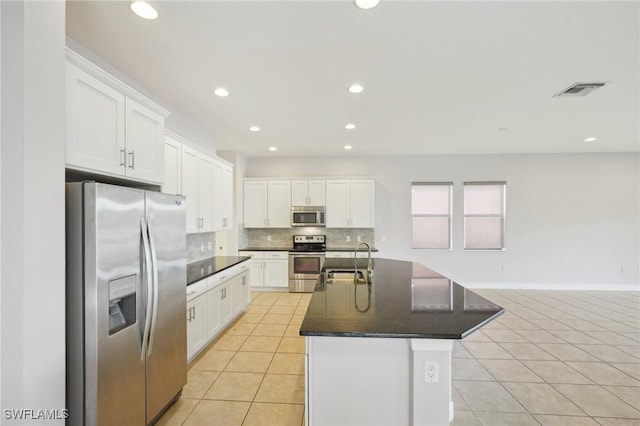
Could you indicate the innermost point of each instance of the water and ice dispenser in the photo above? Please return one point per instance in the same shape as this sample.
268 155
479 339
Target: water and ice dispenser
122 303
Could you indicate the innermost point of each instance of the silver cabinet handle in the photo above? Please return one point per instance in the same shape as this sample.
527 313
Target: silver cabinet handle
191 292
222 294
123 158
132 164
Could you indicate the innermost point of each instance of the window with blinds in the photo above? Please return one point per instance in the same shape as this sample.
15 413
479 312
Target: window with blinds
431 215
484 212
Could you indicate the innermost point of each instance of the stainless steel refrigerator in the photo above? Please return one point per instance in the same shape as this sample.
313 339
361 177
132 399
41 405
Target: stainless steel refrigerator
126 303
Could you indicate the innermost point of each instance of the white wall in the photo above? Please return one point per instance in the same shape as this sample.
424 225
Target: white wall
33 274
572 220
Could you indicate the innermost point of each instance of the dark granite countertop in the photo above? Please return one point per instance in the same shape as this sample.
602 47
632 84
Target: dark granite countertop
273 248
290 248
351 248
201 269
405 299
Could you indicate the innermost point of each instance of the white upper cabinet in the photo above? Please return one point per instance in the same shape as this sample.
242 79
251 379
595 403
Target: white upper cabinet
172 166
197 187
279 204
350 203
307 192
255 204
111 128
144 137
267 203
222 195
95 123
206 182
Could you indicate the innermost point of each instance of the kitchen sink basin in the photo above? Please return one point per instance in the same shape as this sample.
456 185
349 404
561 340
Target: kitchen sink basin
345 276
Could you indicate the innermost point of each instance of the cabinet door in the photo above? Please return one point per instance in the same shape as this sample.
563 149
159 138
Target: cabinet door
95 124
255 204
227 197
172 166
226 302
276 273
246 292
255 268
362 203
279 204
196 323
144 138
213 312
337 210
236 294
205 193
299 192
190 187
222 196
317 192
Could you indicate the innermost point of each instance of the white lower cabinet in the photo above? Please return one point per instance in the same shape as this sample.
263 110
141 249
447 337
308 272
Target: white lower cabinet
269 268
213 303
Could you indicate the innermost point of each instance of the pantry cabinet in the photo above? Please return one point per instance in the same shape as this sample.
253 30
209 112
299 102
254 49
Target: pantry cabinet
110 128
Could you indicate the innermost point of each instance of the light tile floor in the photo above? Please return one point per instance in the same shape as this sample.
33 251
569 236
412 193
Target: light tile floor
554 358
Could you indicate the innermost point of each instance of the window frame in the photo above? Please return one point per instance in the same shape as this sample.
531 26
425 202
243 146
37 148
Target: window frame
502 215
449 216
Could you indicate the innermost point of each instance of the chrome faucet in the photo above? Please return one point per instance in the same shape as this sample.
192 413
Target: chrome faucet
369 265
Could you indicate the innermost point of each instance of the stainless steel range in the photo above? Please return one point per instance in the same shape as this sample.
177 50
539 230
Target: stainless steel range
305 262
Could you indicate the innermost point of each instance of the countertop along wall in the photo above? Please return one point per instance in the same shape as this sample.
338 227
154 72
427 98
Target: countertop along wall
572 220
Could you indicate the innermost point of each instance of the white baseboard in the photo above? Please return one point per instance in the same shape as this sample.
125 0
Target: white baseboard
552 286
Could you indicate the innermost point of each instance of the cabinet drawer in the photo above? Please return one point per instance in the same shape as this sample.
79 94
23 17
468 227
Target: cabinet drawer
276 255
196 289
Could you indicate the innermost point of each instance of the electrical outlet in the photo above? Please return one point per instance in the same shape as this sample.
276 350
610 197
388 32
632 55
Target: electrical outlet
209 245
268 237
505 268
202 247
623 269
347 238
359 238
431 372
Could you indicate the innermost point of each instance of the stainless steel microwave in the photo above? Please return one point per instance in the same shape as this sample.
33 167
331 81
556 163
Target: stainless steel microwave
307 216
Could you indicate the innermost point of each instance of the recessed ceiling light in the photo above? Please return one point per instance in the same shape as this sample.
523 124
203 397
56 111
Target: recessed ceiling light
254 129
367 4
356 88
348 147
350 126
591 139
144 10
221 91
273 148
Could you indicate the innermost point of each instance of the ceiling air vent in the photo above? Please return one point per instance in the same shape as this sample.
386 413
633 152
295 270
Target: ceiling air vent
580 89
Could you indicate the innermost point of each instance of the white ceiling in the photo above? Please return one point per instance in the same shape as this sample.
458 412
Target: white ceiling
440 77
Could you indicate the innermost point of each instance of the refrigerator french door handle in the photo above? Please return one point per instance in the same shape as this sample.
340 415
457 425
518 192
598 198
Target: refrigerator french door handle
148 267
154 267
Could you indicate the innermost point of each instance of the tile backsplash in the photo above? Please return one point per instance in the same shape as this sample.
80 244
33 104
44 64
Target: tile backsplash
200 246
283 237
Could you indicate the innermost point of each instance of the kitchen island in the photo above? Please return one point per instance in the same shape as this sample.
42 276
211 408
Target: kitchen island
380 353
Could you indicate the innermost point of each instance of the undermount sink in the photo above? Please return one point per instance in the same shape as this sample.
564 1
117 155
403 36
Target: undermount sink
345 276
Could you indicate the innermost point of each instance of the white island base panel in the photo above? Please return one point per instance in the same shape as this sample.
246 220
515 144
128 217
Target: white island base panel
378 381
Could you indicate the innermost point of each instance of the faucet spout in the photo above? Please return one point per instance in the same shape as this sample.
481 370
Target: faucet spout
369 264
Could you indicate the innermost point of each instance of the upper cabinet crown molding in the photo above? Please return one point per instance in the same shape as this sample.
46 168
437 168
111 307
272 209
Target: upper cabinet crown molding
102 75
